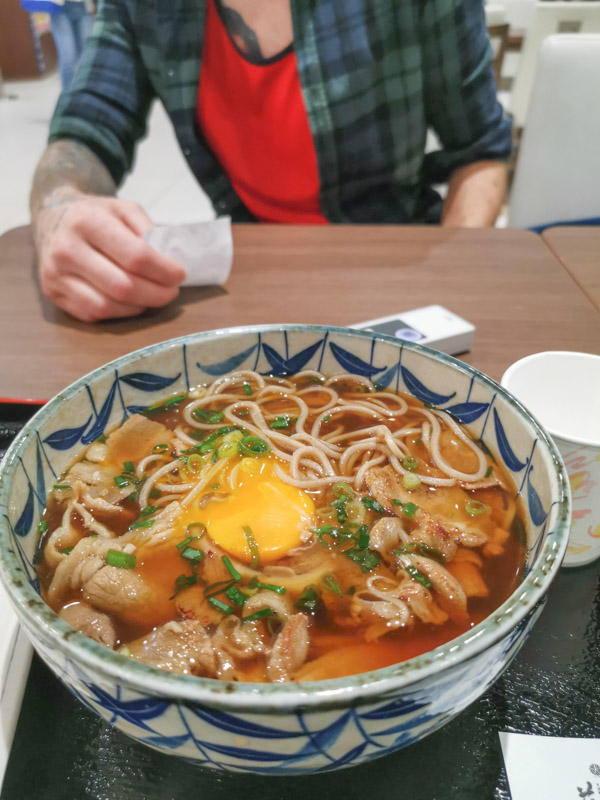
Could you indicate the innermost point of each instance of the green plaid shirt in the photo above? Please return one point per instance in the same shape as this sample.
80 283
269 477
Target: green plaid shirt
375 75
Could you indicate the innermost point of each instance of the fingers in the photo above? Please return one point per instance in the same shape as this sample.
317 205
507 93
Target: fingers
89 304
111 236
94 264
134 216
94 268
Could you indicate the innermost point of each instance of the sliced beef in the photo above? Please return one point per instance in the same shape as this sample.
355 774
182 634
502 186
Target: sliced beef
92 623
177 647
290 650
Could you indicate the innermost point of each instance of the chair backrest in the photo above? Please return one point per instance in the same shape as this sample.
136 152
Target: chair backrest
548 18
557 177
498 39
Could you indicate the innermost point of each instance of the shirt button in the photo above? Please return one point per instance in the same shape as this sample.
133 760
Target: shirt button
220 204
170 73
186 151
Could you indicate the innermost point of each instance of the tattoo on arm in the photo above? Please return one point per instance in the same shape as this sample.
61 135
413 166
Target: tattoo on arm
67 165
241 31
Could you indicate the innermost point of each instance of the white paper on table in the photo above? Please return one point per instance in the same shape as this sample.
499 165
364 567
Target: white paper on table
15 658
204 249
551 767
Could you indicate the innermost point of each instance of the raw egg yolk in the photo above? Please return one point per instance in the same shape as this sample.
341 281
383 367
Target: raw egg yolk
251 495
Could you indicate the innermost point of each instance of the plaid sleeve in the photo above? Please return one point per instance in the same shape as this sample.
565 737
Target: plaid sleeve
107 105
459 88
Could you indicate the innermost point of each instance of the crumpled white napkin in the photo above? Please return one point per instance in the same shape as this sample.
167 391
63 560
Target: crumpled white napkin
551 767
204 249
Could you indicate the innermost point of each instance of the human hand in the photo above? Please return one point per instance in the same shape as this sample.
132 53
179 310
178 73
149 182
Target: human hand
93 261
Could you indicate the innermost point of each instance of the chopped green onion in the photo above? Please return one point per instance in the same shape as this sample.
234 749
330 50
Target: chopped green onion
421 549
194 463
351 590
61 486
148 523
411 481
185 542
330 583
128 466
215 456
171 401
314 379
264 612
475 507
326 419
428 405
252 546
342 488
211 417
199 528
192 554
116 558
410 509
183 582
227 449
217 588
101 439
397 502
243 412
489 471
363 537
66 550
220 606
154 493
410 463
271 587
368 502
248 389
231 569
147 512
280 422
323 529
124 651
43 526
120 481
366 559
215 486
179 398
419 441
309 600
418 576
254 446
236 597
160 448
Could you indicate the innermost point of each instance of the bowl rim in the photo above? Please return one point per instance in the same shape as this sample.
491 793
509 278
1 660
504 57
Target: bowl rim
41 621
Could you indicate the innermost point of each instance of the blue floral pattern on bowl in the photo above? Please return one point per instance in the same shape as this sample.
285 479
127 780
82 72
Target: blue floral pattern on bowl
289 728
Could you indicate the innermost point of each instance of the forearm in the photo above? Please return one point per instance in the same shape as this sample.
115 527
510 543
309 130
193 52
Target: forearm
475 195
66 169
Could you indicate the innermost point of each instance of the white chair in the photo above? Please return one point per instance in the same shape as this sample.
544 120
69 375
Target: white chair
548 18
557 178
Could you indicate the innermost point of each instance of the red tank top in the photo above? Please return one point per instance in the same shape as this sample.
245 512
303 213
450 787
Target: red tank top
254 120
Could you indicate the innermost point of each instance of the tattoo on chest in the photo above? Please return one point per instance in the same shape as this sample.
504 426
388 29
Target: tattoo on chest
240 32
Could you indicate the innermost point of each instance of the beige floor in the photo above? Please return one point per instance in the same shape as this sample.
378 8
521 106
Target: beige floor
160 181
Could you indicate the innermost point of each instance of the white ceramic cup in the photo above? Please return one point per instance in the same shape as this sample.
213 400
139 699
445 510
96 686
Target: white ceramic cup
562 389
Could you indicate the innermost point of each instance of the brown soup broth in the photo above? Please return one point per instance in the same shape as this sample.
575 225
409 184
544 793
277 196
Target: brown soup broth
367 643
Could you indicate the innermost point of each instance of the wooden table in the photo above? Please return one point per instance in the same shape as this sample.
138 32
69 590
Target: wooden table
506 282
578 250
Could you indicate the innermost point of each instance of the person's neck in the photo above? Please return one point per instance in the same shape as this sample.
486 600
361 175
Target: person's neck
261 29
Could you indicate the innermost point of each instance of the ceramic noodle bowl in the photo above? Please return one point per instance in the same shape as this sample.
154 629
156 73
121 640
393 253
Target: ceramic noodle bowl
285 728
